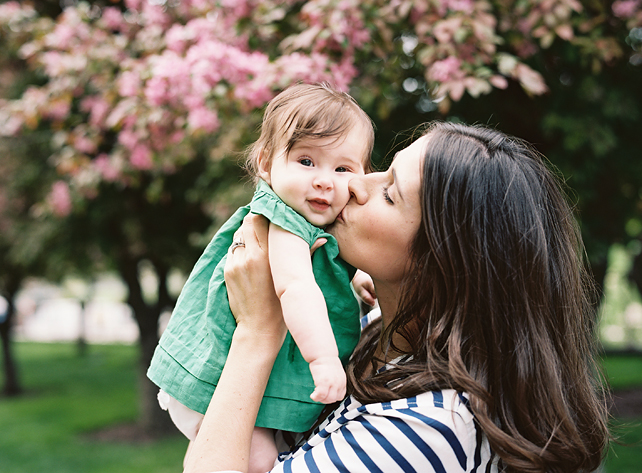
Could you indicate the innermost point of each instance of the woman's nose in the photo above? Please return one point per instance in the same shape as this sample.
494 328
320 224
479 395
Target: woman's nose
358 189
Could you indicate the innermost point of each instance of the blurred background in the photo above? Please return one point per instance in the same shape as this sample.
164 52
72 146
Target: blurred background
122 127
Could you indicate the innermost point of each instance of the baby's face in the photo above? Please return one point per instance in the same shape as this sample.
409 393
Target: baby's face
313 177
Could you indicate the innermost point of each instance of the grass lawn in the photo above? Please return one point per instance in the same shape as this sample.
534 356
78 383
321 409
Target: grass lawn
69 397
625 372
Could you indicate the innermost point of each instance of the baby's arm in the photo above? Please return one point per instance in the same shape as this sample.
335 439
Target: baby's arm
305 313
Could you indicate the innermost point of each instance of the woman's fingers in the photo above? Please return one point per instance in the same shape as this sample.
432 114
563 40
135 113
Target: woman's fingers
250 288
260 226
318 244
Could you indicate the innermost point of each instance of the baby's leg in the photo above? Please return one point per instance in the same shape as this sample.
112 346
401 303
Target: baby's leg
263 451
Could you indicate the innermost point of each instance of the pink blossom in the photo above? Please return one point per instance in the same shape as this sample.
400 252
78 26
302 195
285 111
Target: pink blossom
455 89
445 70
625 9
112 18
239 8
85 145
465 6
134 4
343 73
498 81
11 10
128 139
129 84
10 124
530 80
156 90
300 67
177 37
129 121
52 60
255 93
445 30
57 64
177 137
141 157
154 14
57 109
98 109
59 199
62 36
104 165
34 97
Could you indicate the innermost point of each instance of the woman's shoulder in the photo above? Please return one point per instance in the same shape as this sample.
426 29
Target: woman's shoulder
434 431
442 410
447 400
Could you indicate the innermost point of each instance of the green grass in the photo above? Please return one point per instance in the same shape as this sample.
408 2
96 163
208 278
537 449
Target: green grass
623 371
67 398
625 455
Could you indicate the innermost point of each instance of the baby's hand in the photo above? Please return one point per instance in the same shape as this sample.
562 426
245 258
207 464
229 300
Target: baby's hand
329 379
364 287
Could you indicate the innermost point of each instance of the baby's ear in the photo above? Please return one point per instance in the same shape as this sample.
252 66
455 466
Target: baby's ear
264 165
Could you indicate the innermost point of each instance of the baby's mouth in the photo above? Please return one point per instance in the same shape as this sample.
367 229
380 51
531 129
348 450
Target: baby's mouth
320 205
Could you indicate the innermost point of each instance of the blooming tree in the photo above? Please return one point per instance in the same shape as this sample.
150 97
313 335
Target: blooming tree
129 92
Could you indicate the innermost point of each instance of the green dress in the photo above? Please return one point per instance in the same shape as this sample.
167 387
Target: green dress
192 351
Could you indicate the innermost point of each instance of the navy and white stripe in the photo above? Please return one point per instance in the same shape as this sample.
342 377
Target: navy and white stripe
432 432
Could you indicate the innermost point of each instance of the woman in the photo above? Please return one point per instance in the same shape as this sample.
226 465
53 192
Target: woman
485 317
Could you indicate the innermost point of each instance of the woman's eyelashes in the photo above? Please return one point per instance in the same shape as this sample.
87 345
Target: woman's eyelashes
386 195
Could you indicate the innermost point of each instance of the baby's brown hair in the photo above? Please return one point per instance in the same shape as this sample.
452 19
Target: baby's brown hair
309 111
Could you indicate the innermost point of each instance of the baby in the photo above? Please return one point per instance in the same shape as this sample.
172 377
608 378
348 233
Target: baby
313 140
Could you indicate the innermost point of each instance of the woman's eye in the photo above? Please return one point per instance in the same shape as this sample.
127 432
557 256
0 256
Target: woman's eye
386 196
305 161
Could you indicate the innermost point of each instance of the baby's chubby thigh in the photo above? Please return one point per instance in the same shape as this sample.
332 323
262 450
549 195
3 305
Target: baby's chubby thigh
263 451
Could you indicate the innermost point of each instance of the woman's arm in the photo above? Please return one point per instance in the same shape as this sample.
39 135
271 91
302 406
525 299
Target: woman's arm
305 313
223 441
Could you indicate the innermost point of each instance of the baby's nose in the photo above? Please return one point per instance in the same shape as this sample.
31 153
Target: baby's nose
323 182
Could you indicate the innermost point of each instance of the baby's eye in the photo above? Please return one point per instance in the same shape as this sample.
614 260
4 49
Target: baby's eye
305 161
343 169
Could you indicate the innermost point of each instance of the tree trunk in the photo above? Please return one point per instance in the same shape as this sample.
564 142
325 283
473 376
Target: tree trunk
12 385
152 419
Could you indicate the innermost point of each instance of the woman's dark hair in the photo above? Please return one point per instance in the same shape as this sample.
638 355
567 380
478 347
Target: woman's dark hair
497 304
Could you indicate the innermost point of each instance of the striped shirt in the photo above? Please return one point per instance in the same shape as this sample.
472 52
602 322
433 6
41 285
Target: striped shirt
431 432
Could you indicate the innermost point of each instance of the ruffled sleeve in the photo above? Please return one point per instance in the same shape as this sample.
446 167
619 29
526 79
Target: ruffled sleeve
268 204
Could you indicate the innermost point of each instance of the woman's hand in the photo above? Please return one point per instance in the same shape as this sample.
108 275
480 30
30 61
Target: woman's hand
250 288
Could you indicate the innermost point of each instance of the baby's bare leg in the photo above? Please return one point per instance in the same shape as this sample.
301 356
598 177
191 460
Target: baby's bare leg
263 451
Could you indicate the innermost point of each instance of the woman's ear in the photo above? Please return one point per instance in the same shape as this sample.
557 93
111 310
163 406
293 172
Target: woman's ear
264 165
